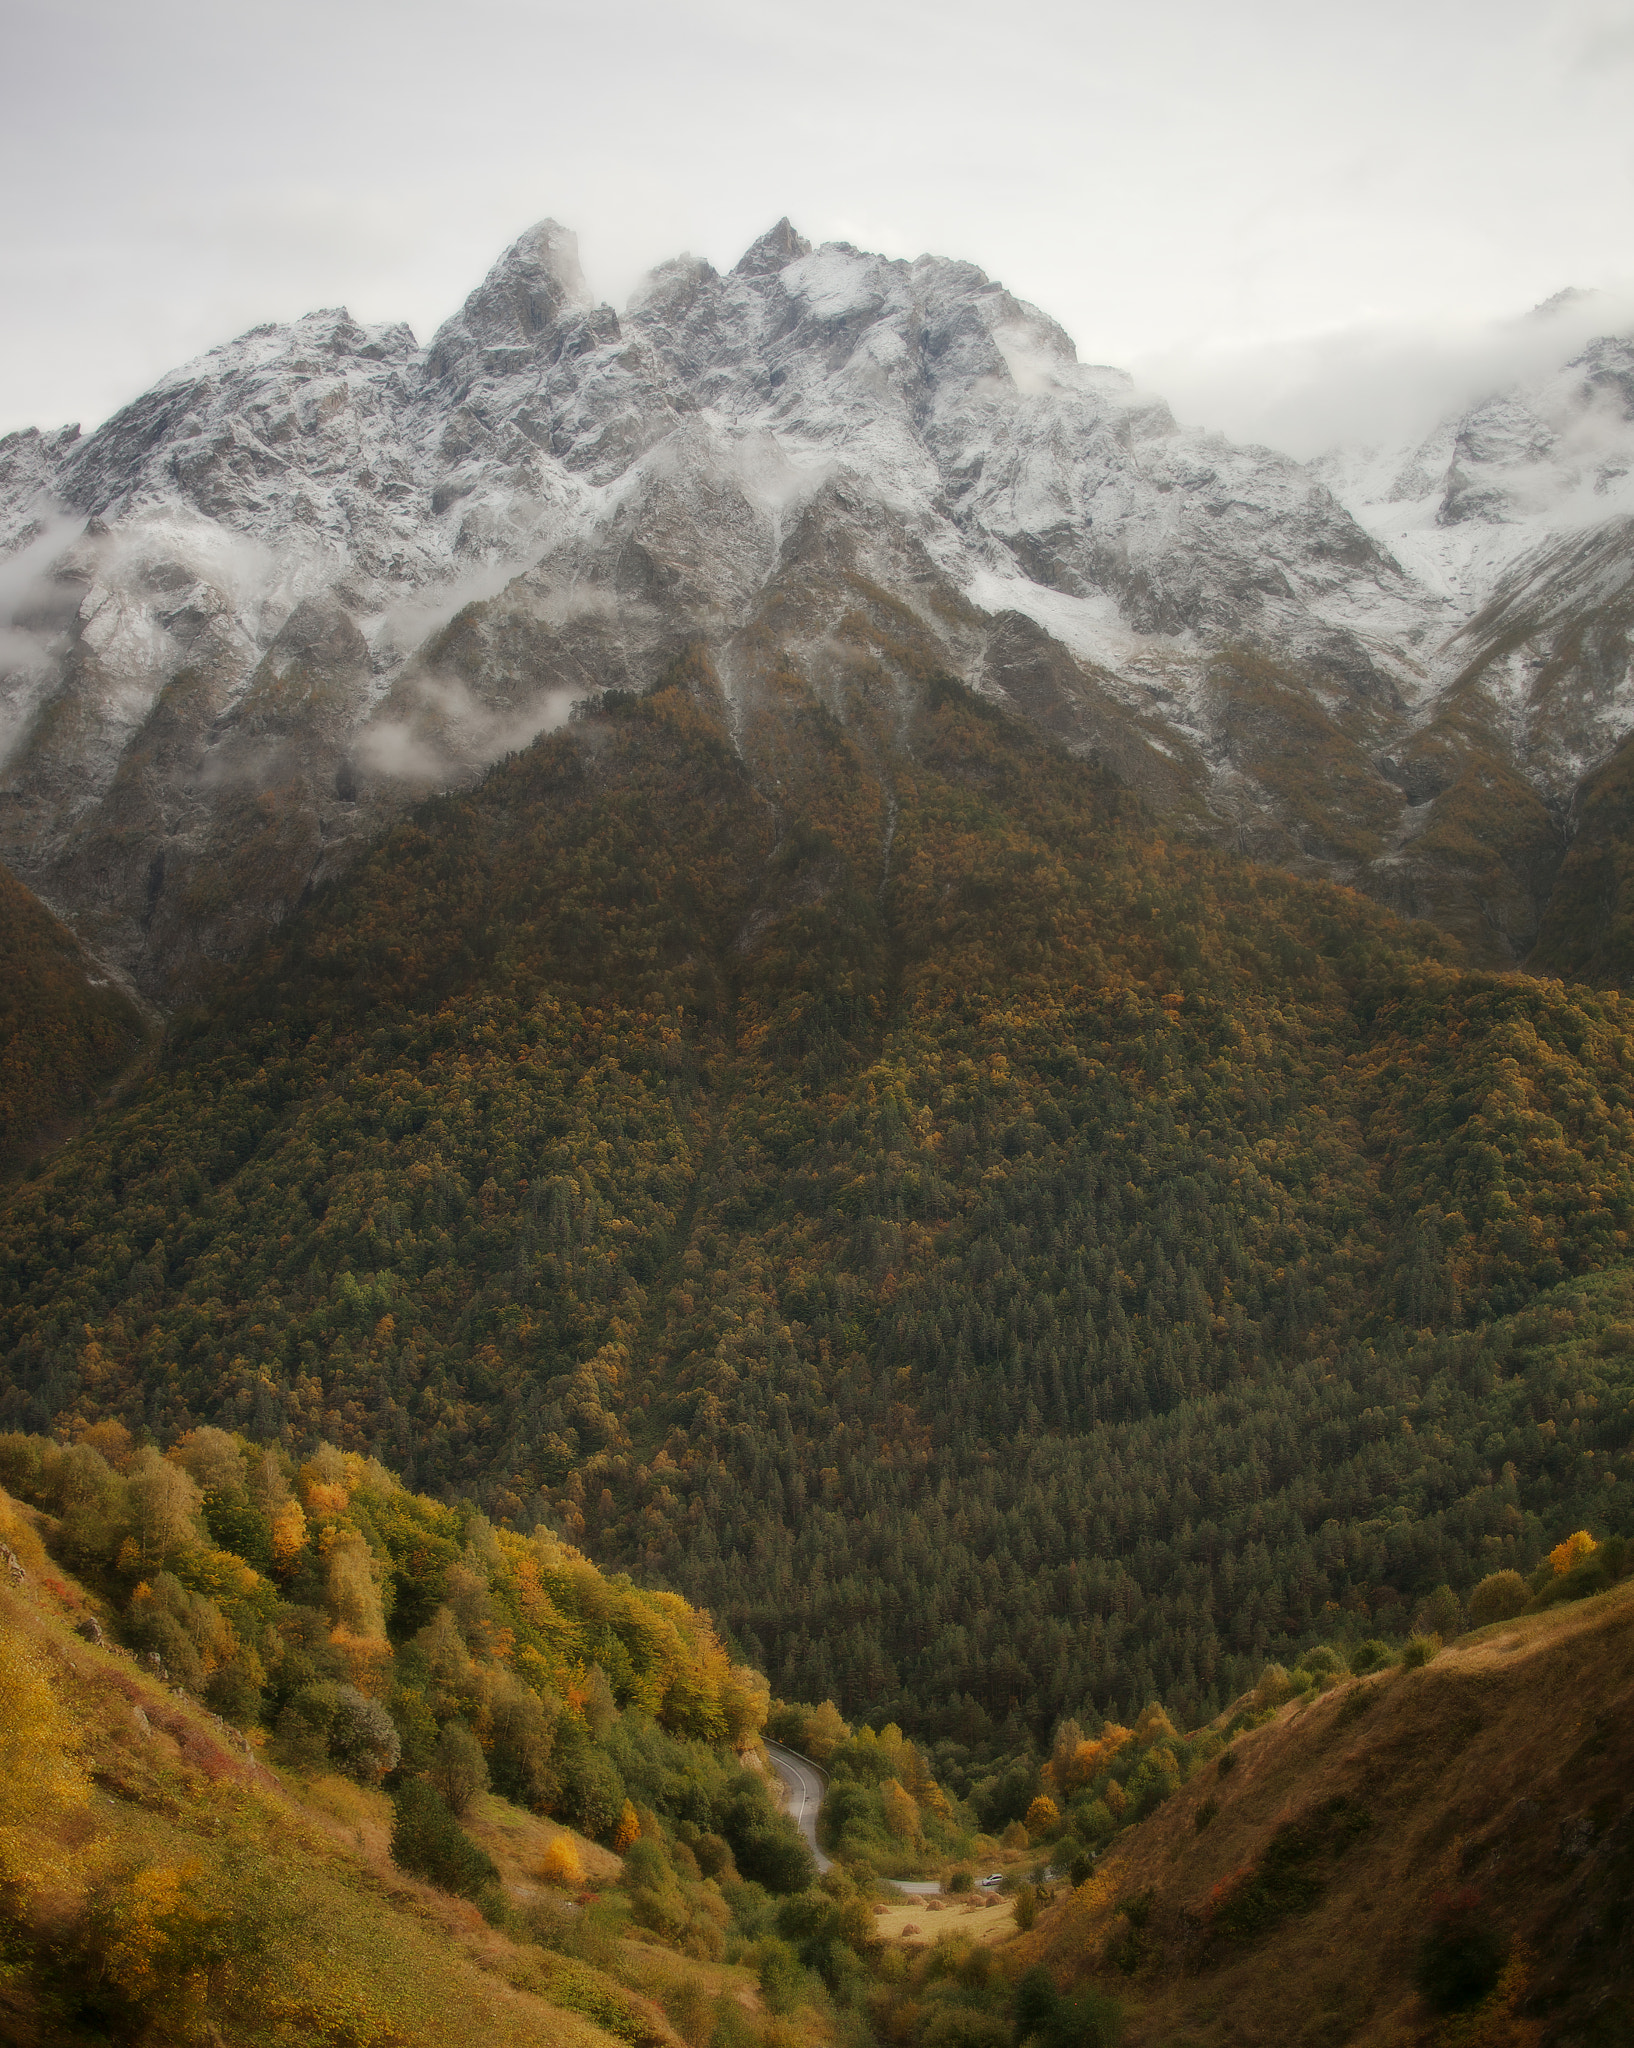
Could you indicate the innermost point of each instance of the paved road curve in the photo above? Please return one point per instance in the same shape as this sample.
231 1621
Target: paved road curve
805 1782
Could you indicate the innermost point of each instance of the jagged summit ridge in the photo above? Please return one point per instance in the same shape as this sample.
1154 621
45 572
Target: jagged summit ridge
551 497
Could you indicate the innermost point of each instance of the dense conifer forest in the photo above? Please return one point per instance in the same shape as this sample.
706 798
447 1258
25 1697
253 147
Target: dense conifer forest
850 1167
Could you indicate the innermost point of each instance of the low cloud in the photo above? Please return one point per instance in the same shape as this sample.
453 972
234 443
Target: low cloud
1376 386
449 734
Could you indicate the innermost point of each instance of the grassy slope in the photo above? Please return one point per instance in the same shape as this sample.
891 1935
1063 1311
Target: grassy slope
63 1034
361 1955
1504 1769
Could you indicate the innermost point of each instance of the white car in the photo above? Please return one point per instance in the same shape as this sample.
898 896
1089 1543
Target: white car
988 1883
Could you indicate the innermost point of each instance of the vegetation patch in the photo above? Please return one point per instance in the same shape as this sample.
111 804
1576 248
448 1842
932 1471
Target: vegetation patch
1287 1878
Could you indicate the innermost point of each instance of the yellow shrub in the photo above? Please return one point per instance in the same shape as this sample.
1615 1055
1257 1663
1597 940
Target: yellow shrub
561 1863
628 1830
1042 1815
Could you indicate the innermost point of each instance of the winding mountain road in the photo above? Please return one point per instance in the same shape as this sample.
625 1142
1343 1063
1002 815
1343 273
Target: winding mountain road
805 1783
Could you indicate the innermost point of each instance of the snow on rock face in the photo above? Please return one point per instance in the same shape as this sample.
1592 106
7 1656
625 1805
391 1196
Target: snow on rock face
332 567
1508 476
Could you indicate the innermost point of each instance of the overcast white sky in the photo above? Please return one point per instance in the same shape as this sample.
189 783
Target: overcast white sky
1294 218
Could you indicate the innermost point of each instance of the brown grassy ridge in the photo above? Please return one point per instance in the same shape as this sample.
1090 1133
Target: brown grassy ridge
165 1886
1497 1780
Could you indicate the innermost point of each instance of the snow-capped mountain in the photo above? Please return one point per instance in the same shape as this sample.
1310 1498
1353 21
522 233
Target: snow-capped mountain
322 570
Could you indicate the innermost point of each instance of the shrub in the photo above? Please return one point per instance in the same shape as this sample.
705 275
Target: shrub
1462 1956
428 1841
459 1771
777 1971
1015 1836
1418 1650
1095 1821
560 1864
1036 2003
1499 1597
1205 1813
1274 1688
1370 1656
961 2026
1086 2018
1283 1881
960 1881
1440 1615
1043 1818
362 1739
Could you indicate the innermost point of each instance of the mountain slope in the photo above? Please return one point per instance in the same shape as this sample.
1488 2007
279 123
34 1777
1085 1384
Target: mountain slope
844 1161
65 1029
322 571
1482 1800
161 1882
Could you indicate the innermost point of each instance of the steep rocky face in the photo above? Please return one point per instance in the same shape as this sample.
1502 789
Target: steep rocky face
322 571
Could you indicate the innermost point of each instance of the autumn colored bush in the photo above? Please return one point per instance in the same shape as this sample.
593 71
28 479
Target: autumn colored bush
560 1864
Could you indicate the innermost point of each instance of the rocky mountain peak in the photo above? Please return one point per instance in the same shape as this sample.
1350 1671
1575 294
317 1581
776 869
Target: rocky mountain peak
534 285
331 565
775 249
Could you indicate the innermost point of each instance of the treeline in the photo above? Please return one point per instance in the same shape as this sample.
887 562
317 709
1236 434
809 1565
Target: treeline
1033 1273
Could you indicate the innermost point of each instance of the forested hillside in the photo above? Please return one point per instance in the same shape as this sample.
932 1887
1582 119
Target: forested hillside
837 1158
64 1031
173 1626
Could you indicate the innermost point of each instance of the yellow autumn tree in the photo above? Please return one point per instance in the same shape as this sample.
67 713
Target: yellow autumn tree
1043 1816
1089 1759
288 1535
901 1814
825 1731
1579 1545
